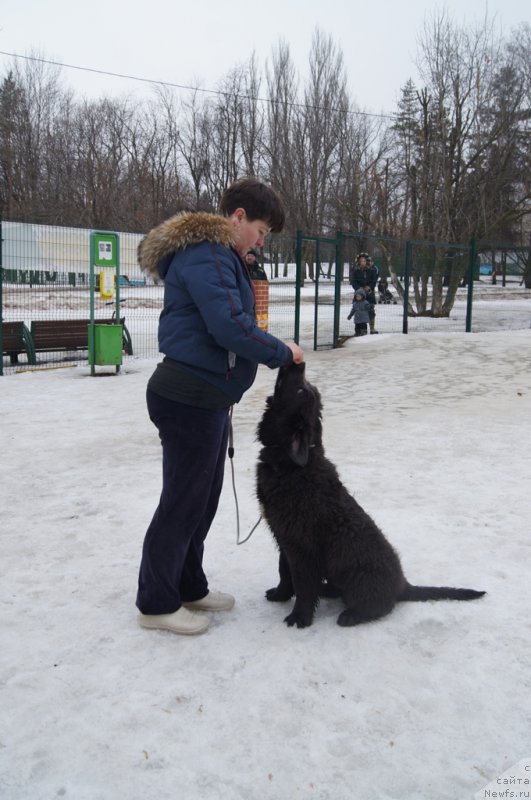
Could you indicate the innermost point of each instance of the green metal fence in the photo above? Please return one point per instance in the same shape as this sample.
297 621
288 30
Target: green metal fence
433 286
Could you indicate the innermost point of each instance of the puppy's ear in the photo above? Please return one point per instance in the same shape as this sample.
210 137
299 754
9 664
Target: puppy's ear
299 448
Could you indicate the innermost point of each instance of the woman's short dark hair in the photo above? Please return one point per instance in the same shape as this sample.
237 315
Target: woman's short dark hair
258 200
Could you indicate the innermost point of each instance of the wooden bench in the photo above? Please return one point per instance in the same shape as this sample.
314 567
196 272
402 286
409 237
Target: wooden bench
16 339
54 335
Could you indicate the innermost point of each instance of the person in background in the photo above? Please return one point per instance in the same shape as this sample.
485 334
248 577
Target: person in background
384 293
365 276
212 347
256 270
361 311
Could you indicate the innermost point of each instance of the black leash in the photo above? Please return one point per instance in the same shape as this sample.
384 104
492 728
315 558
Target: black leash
231 457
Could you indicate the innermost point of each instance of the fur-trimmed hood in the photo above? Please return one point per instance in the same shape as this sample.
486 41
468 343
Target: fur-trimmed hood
176 233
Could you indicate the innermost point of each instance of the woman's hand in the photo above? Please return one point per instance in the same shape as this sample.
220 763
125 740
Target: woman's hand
298 355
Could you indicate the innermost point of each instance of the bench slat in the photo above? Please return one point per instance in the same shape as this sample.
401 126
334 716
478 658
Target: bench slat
67 334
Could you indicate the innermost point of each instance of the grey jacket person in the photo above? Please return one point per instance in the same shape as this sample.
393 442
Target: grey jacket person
361 308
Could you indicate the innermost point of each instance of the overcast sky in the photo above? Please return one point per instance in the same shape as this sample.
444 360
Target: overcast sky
199 42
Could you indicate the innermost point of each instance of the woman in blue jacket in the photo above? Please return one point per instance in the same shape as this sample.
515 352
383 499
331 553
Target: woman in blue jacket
212 346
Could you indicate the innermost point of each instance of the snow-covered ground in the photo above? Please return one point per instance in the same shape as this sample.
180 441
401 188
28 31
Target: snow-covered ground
431 432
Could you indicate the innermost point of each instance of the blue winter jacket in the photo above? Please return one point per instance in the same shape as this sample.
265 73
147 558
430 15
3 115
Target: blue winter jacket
208 323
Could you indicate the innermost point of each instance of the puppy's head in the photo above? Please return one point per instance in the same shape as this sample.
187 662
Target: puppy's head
292 419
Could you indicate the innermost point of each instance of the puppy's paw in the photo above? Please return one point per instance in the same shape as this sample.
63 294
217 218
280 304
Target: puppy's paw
349 617
297 619
278 594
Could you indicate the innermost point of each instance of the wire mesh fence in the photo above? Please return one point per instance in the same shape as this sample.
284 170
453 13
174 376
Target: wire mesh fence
431 287
45 276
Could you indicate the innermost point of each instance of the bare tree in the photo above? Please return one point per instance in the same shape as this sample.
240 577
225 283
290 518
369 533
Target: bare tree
226 162
14 117
457 153
31 98
194 144
304 142
357 195
282 85
252 121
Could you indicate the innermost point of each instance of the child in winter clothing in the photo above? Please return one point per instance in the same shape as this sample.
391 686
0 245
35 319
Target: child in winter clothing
361 311
364 276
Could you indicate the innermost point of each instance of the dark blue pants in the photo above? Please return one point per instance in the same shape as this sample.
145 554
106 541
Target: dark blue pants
194 446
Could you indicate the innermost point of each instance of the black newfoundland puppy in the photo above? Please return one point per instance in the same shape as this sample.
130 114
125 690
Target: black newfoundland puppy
328 545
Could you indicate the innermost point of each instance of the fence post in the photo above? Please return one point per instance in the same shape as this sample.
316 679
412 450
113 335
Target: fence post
298 278
470 284
339 283
316 296
407 274
504 267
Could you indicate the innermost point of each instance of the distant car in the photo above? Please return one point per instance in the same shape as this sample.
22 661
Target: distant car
486 269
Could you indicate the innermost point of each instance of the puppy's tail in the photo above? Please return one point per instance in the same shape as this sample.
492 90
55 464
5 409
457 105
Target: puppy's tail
416 593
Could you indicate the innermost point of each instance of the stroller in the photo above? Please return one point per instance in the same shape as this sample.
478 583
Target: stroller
384 294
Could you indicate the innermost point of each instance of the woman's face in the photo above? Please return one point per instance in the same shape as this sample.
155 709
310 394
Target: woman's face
248 233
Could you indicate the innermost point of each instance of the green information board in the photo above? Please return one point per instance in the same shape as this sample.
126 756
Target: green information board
105 341
105 249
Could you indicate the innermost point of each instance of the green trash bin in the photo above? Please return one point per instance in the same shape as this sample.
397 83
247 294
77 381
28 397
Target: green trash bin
107 345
